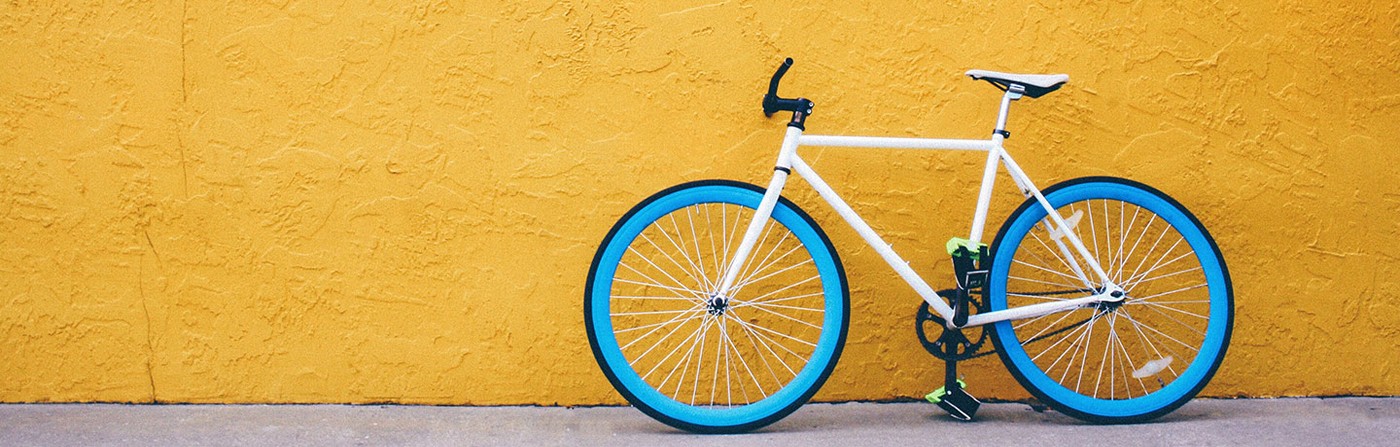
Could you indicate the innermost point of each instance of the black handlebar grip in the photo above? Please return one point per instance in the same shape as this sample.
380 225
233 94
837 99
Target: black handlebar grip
782 70
770 101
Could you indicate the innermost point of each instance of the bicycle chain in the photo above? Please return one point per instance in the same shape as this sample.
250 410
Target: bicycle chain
968 348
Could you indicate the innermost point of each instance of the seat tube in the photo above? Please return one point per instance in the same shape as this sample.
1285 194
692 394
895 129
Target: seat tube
984 196
765 210
989 173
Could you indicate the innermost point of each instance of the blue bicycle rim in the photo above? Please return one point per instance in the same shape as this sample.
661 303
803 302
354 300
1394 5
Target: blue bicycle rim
795 392
1216 337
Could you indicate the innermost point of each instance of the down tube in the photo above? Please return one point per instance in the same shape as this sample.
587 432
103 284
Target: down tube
899 265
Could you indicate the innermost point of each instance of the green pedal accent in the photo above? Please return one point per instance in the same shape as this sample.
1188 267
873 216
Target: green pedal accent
937 395
973 248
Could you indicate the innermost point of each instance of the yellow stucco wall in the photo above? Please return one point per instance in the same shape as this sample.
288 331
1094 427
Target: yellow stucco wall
302 201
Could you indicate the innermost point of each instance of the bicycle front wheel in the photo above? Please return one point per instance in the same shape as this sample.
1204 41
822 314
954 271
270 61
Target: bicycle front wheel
703 365
1113 362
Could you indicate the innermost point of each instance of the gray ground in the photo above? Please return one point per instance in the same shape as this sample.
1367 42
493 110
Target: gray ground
1338 421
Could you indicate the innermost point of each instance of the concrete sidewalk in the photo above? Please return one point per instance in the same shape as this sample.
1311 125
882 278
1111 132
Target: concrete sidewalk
1304 421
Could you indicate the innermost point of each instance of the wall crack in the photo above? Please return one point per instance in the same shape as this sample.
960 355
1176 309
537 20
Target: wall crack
184 100
146 310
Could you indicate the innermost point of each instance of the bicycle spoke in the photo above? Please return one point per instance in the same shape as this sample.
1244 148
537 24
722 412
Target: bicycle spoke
1071 345
728 234
1073 350
1162 334
765 264
748 264
703 325
1088 341
687 271
654 283
715 256
653 265
700 363
1046 328
1177 321
1123 237
719 345
759 354
743 362
1182 302
1038 297
663 298
694 239
652 312
1158 264
1033 320
770 275
1147 340
1183 289
1053 252
679 243
1150 251
683 365
1132 366
1017 261
1103 361
677 319
784 288
776 300
657 344
768 344
1058 284
1194 269
780 334
780 306
682 319
1136 281
1150 221
795 320
1173 309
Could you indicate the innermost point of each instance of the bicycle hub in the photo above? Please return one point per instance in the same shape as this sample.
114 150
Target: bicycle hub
717 305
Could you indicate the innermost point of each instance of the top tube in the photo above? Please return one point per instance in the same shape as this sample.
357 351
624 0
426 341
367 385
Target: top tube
896 142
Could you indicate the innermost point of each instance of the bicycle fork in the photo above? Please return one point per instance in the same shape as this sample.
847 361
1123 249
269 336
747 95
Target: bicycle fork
765 210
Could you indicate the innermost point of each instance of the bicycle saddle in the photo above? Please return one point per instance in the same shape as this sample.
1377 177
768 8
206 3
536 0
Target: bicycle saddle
1036 85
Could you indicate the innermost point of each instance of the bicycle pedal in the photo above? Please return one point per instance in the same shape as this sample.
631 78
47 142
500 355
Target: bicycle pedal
957 403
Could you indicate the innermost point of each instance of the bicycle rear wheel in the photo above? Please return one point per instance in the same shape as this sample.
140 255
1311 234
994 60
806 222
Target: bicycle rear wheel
688 361
1114 362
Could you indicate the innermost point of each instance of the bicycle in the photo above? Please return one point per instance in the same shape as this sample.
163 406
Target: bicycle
711 328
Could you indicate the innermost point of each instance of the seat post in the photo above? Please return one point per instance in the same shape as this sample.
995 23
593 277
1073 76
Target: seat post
1013 92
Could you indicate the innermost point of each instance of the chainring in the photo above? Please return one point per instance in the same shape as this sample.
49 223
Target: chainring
964 347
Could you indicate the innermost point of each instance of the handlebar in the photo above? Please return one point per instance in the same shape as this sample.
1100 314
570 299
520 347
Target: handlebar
773 104
778 77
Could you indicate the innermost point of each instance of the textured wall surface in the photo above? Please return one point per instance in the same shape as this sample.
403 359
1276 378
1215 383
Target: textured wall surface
316 201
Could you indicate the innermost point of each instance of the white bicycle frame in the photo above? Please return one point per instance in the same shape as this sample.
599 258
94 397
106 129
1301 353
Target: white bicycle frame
788 161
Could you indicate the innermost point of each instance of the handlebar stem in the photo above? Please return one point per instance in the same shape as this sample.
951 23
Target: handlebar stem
772 103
